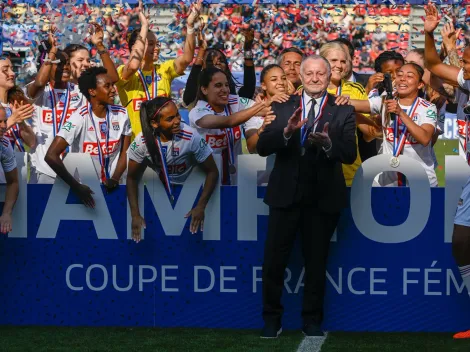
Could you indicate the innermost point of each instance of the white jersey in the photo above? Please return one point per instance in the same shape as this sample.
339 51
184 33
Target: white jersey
217 138
186 150
83 135
425 113
42 121
462 98
13 134
7 155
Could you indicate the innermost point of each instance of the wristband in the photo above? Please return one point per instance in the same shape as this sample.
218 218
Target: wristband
102 52
249 55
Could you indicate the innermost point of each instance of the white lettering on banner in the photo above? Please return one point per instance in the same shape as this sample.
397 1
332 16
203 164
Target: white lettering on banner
173 219
20 211
224 278
350 285
457 174
374 281
141 275
67 277
337 286
249 206
420 200
197 269
166 278
131 279
256 278
88 279
450 277
57 208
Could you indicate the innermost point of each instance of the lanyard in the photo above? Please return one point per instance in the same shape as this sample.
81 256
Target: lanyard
338 90
15 132
154 84
230 138
398 144
103 157
318 116
166 176
56 125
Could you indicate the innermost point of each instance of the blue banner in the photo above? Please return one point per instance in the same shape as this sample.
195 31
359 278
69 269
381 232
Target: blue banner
76 273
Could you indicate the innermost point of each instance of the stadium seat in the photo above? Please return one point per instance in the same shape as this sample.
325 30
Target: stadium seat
371 27
392 28
395 11
405 11
384 11
392 46
373 10
403 45
392 37
361 10
332 36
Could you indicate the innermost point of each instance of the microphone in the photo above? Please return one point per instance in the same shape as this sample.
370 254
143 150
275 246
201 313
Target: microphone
387 82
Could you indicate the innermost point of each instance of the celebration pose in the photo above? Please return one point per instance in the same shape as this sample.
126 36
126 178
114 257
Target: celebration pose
99 129
458 78
306 190
172 149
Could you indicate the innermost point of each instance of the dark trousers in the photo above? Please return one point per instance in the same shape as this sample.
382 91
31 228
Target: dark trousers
316 229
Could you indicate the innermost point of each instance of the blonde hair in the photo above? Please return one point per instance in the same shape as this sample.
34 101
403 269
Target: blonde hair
327 48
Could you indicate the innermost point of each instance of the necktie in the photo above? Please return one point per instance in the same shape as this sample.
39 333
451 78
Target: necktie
311 115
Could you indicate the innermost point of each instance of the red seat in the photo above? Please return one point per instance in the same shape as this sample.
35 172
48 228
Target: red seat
392 46
403 45
332 36
468 10
384 11
405 36
405 11
373 10
395 11
361 10
392 36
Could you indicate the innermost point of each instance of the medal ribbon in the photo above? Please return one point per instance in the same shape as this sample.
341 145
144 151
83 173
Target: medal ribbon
399 144
15 132
318 116
166 177
104 159
154 84
57 125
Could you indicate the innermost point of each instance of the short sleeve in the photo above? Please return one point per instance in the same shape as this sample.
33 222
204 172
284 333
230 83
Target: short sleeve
121 82
430 116
127 130
200 149
375 104
198 113
245 103
38 96
72 128
138 150
463 83
168 69
8 156
254 123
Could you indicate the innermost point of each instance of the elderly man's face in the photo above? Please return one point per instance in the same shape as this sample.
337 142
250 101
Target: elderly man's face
314 76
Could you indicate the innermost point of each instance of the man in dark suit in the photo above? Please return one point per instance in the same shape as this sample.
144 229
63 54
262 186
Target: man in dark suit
311 137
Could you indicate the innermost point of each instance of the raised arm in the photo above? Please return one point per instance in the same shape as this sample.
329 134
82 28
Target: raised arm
137 51
97 41
189 45
44 73
432 60
236 119
249 76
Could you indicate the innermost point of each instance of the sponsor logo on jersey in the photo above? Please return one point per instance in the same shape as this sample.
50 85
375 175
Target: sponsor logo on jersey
136 103
177 169
133 146
461 124
175 151
47 116
91 128
92 147
409 139
431 114
116 126
219 141
68 126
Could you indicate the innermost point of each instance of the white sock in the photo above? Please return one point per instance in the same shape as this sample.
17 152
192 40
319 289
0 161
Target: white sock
465 272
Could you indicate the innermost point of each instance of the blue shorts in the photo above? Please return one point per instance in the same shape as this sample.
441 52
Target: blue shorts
462 216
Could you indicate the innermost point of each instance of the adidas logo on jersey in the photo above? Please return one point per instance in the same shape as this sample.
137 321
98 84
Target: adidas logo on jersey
91 128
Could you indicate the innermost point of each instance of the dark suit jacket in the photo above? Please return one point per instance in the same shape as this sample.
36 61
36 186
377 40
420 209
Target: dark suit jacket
329 188
361 78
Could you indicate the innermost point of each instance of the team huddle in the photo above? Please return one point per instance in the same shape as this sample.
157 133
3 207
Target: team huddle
125 120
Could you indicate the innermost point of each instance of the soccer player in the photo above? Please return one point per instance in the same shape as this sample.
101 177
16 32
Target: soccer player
8 164
141 79
172 149
458 78
99 129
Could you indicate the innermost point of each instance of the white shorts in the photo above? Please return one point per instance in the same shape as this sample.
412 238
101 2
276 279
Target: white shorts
462 216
